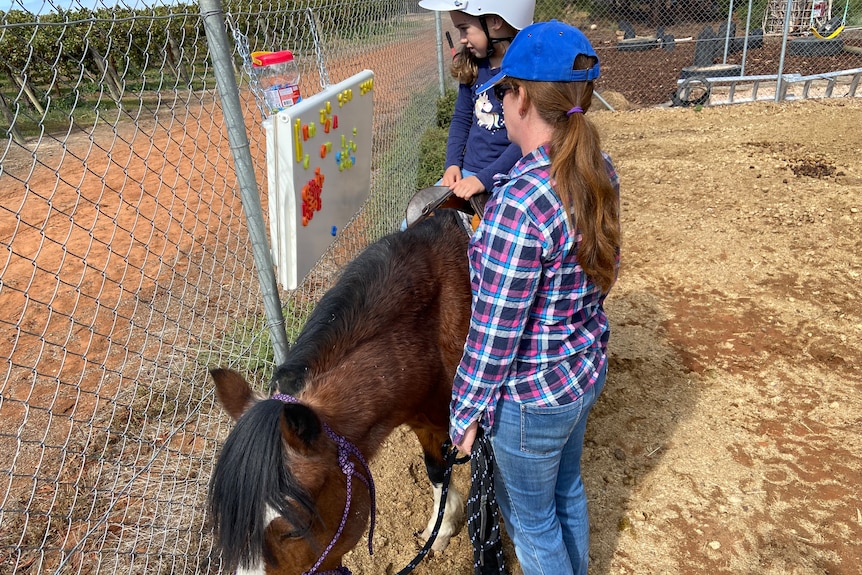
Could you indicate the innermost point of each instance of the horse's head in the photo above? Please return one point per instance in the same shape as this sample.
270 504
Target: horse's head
278 496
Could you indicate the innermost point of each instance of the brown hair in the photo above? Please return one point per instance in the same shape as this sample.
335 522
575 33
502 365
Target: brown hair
579 172
465 67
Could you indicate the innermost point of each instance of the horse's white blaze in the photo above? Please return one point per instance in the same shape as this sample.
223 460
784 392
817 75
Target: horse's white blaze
453 517
258 567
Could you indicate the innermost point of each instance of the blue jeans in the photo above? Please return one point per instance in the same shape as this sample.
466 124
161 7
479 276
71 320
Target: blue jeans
538 482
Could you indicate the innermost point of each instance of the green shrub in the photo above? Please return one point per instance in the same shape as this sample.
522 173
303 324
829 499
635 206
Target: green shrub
445 108
432 156
432 144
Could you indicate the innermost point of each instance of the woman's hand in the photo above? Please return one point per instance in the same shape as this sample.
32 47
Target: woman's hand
466 444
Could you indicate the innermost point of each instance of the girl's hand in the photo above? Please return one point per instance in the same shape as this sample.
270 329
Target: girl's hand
451 176
469 186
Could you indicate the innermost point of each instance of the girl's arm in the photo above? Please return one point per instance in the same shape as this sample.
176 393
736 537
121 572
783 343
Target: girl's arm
502 165
459 128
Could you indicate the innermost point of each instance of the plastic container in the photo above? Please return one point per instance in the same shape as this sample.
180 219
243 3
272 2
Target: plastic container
278 77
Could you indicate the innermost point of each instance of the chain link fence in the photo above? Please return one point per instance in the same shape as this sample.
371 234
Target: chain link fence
127 267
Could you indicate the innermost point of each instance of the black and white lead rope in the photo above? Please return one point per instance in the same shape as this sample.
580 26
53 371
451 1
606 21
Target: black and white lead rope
483 518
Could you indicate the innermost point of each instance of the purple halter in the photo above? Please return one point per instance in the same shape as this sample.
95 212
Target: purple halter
345 450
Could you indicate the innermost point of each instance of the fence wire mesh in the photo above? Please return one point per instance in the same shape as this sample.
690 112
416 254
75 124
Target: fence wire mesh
127 269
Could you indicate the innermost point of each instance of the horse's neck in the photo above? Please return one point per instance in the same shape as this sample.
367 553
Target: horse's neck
364 425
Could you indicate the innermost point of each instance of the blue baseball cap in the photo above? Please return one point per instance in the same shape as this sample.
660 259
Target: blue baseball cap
546 52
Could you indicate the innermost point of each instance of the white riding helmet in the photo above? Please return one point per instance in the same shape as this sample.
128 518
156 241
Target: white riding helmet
518 13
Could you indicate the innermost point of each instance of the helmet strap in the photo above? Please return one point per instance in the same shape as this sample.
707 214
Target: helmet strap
492 41
488 36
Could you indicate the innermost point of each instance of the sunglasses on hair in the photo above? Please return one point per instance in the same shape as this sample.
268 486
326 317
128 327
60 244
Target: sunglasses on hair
501 89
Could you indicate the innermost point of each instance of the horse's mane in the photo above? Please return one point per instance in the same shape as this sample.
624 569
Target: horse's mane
390 275
248 477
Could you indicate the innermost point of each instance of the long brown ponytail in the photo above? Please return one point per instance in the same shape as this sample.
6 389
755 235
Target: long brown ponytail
579 172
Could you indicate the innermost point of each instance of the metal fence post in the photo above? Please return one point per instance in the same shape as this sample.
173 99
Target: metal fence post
727 31
439 29
745 42
220 53
779 83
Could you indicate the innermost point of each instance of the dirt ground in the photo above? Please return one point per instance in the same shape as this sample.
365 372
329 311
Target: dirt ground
728 438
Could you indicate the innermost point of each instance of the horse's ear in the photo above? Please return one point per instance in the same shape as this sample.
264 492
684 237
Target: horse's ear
232 391
300 426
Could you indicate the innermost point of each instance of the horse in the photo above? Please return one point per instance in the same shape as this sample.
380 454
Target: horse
379 350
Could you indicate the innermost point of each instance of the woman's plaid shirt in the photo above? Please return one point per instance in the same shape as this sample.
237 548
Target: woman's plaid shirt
538 332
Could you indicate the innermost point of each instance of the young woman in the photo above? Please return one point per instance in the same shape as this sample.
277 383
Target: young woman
478 147
542 261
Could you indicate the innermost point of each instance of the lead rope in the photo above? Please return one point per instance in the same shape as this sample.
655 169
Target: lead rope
486 497
345 450
451 456
483 518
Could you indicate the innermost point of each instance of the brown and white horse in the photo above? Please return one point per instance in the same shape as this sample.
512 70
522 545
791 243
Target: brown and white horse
291 492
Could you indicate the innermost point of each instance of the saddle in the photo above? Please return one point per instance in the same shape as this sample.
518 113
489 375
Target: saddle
427 200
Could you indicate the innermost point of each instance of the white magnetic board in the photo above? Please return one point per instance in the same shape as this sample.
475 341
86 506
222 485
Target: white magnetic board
319 172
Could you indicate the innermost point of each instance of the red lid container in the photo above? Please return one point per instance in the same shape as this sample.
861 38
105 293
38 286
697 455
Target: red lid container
269 58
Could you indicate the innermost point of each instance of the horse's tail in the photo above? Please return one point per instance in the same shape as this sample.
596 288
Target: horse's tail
251 474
